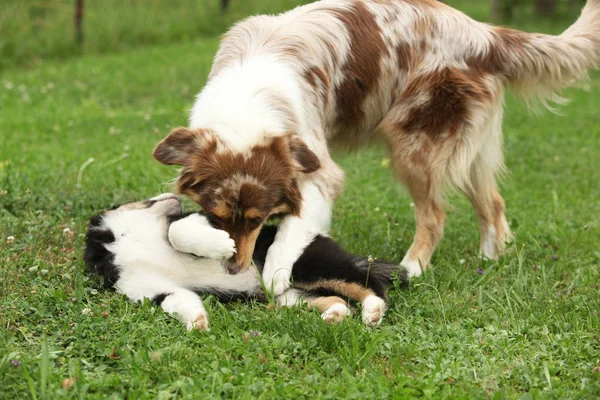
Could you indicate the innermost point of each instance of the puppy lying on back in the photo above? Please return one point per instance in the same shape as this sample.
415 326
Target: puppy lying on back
151 249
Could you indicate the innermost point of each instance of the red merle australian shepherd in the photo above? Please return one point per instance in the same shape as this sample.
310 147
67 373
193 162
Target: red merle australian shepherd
425 77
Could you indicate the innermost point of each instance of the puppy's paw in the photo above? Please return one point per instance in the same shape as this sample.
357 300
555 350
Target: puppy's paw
336 313
221 245
199 322
373 309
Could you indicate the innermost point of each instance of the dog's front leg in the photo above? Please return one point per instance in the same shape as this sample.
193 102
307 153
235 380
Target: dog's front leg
293 235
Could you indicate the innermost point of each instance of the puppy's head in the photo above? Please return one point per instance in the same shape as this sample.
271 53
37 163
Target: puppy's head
129 233
238 191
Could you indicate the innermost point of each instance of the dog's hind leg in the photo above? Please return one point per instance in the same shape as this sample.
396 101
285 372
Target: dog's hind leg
430 217
484 196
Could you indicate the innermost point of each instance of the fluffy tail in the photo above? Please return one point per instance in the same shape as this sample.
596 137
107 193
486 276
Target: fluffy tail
538 66
384 271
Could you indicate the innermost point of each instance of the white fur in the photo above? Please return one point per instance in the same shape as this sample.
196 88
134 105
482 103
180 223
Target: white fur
336 313
293 235
291 298
205 242
150 266
374 308
488 243
411 265
241 120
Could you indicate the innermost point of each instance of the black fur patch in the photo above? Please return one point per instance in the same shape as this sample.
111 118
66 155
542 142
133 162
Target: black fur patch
159 298
325 259
97 258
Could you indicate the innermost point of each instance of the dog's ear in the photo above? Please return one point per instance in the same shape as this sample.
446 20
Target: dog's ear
179 147
306 160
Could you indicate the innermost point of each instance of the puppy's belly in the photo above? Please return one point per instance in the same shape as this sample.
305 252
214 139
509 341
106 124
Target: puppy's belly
211 274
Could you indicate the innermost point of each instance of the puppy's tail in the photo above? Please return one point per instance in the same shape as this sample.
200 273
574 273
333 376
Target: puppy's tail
539 66
384 271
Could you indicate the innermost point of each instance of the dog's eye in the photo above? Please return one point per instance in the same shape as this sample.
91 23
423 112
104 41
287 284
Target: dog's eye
254 223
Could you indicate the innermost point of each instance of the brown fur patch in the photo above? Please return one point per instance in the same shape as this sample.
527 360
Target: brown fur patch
221 210
404 56
244 245
317 78
181 144
362 69
346 289
450 93
252 213
238 191
323 303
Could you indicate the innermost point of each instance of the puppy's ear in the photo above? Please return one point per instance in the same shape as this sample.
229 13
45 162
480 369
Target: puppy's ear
306 160
182 144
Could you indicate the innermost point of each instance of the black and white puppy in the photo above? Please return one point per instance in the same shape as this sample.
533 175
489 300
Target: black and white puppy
151 249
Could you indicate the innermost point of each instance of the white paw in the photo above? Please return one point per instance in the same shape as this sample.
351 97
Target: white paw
336 313
277 282
373 309
412 268
292 297
199 322
221 246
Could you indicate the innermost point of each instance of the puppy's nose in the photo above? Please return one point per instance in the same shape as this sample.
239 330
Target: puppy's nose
233 268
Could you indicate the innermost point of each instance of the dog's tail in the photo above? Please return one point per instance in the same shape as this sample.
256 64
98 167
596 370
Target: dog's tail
538 66
383 271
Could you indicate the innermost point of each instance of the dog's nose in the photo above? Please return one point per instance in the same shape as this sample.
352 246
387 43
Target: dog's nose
233 268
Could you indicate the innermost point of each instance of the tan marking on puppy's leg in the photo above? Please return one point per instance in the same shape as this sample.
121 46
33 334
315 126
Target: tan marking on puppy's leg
350 290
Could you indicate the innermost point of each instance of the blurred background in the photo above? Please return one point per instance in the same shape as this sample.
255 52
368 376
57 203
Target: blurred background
33 30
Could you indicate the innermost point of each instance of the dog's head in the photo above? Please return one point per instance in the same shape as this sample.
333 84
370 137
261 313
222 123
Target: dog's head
129 233
239 191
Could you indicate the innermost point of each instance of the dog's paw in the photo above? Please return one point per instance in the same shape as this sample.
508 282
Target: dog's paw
373 309
412 268
199 322
336 313
277 282
221 245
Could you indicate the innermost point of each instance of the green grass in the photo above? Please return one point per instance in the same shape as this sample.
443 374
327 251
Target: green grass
35 30
528 327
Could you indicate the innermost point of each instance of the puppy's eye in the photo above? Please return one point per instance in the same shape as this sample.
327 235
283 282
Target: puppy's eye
254 223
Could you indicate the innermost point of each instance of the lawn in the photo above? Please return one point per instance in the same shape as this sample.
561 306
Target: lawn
76 137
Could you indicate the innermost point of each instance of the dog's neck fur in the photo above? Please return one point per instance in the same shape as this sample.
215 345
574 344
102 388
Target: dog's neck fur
247 100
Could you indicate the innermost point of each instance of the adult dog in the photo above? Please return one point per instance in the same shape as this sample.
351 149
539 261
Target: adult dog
425 77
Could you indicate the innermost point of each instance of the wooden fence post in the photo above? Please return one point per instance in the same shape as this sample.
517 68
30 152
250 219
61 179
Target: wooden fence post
79 22
224 5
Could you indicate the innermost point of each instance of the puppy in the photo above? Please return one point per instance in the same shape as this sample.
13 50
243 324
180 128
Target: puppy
151 249
426 78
